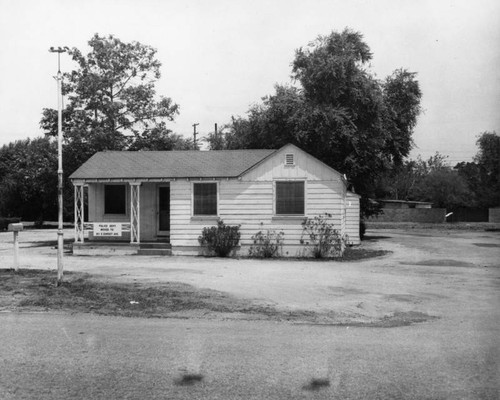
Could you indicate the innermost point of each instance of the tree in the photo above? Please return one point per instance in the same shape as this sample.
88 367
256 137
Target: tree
399 182
331 70
373 120
402 99
160 138
111 104
430 180
111 97
340 113
28 179
444 188
488 155
483 174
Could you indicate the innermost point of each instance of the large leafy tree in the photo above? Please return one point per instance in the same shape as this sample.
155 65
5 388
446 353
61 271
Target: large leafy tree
111 98
340 113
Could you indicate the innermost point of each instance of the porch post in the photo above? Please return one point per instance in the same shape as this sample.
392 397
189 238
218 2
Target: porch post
135 212
79 217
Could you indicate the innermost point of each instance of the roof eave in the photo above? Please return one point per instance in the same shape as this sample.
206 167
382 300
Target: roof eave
152 179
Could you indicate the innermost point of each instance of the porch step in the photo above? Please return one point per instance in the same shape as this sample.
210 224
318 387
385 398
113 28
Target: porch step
155 249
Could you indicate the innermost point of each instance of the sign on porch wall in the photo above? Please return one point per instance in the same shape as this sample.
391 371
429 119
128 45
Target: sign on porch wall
107 229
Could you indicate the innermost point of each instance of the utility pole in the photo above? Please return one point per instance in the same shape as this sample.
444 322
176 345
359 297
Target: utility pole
194 134
60 237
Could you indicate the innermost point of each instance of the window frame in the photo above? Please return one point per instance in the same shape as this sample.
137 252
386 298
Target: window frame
216 183
275 205
125 199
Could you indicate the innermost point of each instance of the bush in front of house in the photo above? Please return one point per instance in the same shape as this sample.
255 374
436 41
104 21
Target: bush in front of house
220 239
321 238
266 244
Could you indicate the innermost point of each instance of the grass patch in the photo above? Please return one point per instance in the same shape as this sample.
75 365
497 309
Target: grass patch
35 290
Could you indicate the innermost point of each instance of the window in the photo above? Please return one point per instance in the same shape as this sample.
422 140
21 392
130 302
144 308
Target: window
205 198
290 198
114 199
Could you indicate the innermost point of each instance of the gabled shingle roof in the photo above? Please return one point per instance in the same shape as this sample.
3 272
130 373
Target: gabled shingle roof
170 164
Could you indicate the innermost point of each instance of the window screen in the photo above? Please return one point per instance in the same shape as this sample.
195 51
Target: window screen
114 199
205 199
290 198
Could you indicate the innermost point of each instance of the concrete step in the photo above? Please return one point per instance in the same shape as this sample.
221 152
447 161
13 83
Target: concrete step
154 252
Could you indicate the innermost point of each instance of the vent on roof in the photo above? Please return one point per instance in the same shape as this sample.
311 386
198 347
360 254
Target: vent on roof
289 160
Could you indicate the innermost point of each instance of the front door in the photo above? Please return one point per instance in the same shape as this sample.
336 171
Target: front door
163 211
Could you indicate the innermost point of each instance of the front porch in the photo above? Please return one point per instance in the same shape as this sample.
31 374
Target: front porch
124 217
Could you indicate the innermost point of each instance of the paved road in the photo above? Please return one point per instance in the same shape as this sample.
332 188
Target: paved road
56 356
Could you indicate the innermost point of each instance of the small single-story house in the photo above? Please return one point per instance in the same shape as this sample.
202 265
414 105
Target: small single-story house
139 198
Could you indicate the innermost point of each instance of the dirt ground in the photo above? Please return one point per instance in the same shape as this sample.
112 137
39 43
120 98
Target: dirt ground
428 274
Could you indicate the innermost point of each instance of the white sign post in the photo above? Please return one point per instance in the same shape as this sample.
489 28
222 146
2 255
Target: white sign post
107 229
16 228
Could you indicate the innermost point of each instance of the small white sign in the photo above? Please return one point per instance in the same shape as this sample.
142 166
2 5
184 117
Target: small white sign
107 229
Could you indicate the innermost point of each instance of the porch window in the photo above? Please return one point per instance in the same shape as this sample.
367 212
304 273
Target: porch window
205 198
290 198
115 198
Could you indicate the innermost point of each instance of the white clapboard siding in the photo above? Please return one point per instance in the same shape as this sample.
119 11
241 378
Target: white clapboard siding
250 204
352 218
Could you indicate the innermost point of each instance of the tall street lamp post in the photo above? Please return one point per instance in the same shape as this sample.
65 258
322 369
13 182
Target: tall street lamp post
60 234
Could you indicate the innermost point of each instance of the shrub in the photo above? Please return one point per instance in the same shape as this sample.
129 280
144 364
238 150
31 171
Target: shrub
266 245
220 239
324 239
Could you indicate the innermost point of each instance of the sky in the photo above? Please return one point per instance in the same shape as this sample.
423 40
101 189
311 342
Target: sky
221 56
